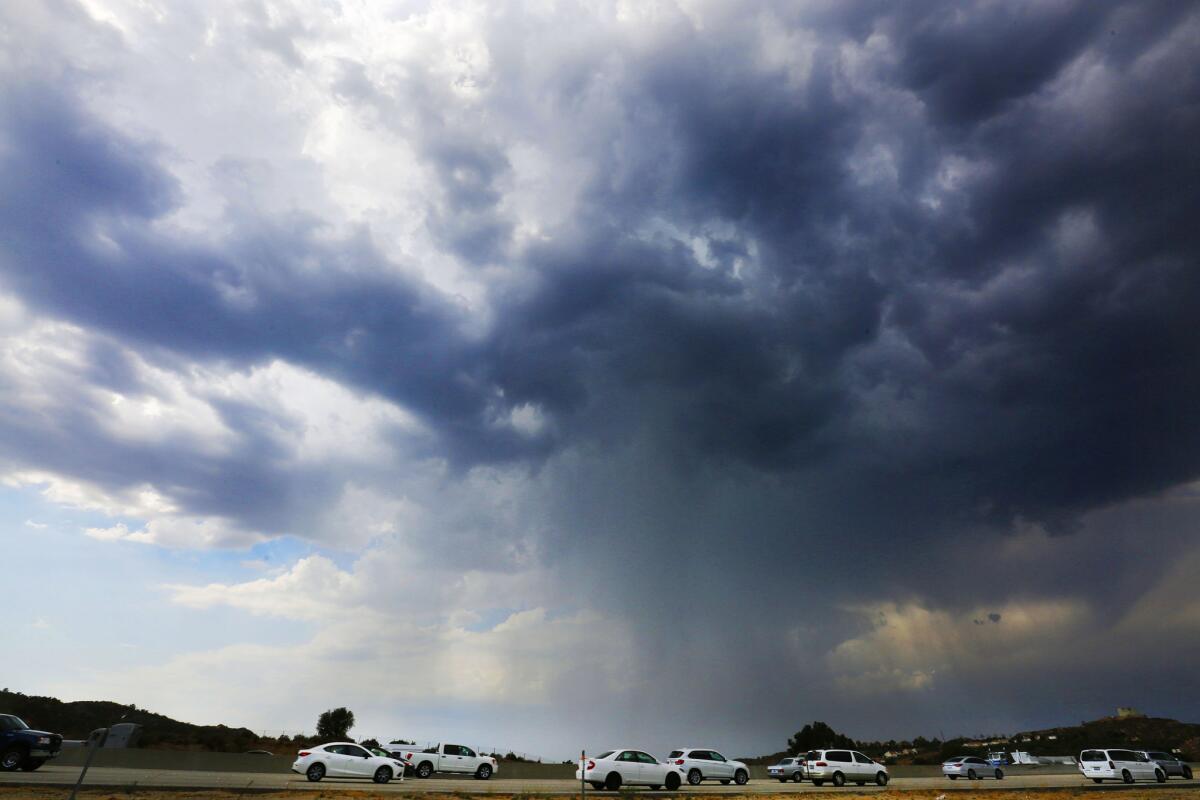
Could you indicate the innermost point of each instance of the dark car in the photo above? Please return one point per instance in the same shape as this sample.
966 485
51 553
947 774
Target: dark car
1171 764
21 747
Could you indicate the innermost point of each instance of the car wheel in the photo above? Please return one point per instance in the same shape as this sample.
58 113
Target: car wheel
881 778
11 758
952 777
725 782
1160 776
597 785
315 772
612 782
1187 773
999 774
484 772
1098 780
797 777
382 775
818 781
694 776
673 781
740 777
839 779
970 774
783 780
654 787
30 764
1126 776
424 769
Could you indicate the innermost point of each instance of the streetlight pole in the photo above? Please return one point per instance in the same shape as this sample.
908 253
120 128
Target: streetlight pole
94 742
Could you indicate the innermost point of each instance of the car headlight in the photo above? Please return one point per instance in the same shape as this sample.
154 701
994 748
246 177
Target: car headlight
43 740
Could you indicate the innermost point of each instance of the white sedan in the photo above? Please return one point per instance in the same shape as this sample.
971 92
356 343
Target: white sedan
707 765
613 769
346 760
972 768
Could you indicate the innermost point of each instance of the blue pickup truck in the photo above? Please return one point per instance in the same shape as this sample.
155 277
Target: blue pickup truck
21 747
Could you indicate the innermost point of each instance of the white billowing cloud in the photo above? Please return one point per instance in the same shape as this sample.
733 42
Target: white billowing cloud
180 532
141 500
393 658
908 646
313 589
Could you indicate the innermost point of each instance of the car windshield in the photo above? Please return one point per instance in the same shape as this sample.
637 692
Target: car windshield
379 751
1093 755
606 754
675 754
785 761
957 760
11 723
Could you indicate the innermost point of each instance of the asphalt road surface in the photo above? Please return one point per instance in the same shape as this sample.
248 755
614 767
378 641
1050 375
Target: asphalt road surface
55 775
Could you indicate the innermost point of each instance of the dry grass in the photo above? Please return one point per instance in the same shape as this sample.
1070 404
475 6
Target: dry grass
61 792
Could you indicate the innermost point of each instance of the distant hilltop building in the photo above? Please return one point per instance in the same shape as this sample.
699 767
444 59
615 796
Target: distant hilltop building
1127 712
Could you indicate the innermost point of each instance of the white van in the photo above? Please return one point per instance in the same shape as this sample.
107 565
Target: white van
839 766
1119 765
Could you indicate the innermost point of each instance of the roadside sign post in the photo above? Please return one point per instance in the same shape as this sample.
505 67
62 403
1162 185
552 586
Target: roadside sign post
95 741
582 773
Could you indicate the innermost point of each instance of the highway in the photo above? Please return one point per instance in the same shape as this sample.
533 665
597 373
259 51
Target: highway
126 778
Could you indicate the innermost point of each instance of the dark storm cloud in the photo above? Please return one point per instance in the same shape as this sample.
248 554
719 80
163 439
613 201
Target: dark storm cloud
1067 391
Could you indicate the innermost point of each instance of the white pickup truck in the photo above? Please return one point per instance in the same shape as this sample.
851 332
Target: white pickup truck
445 758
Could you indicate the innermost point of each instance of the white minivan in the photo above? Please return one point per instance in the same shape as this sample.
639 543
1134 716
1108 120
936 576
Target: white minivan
839 766
1119 765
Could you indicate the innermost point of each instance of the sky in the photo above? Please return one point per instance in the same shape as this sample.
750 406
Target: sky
561 375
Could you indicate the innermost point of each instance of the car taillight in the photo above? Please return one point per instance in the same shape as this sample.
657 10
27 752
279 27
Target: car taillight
820 764
304 753
679 762
591 765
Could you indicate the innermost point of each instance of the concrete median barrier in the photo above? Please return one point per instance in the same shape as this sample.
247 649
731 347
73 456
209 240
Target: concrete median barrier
203 761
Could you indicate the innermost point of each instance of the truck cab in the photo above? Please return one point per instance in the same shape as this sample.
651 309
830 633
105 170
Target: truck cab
21 747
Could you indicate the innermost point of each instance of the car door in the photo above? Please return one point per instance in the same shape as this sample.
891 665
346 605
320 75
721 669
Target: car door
651 771
1123 760
357 761
452 758
335 762
470 759
864 767
842 761
628 767
720 765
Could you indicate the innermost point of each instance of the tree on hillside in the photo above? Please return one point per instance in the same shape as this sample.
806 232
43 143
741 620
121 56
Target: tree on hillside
817 735
335 724
370 743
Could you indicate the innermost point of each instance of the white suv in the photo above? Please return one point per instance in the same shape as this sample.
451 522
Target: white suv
1119 765
839 766
707 765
